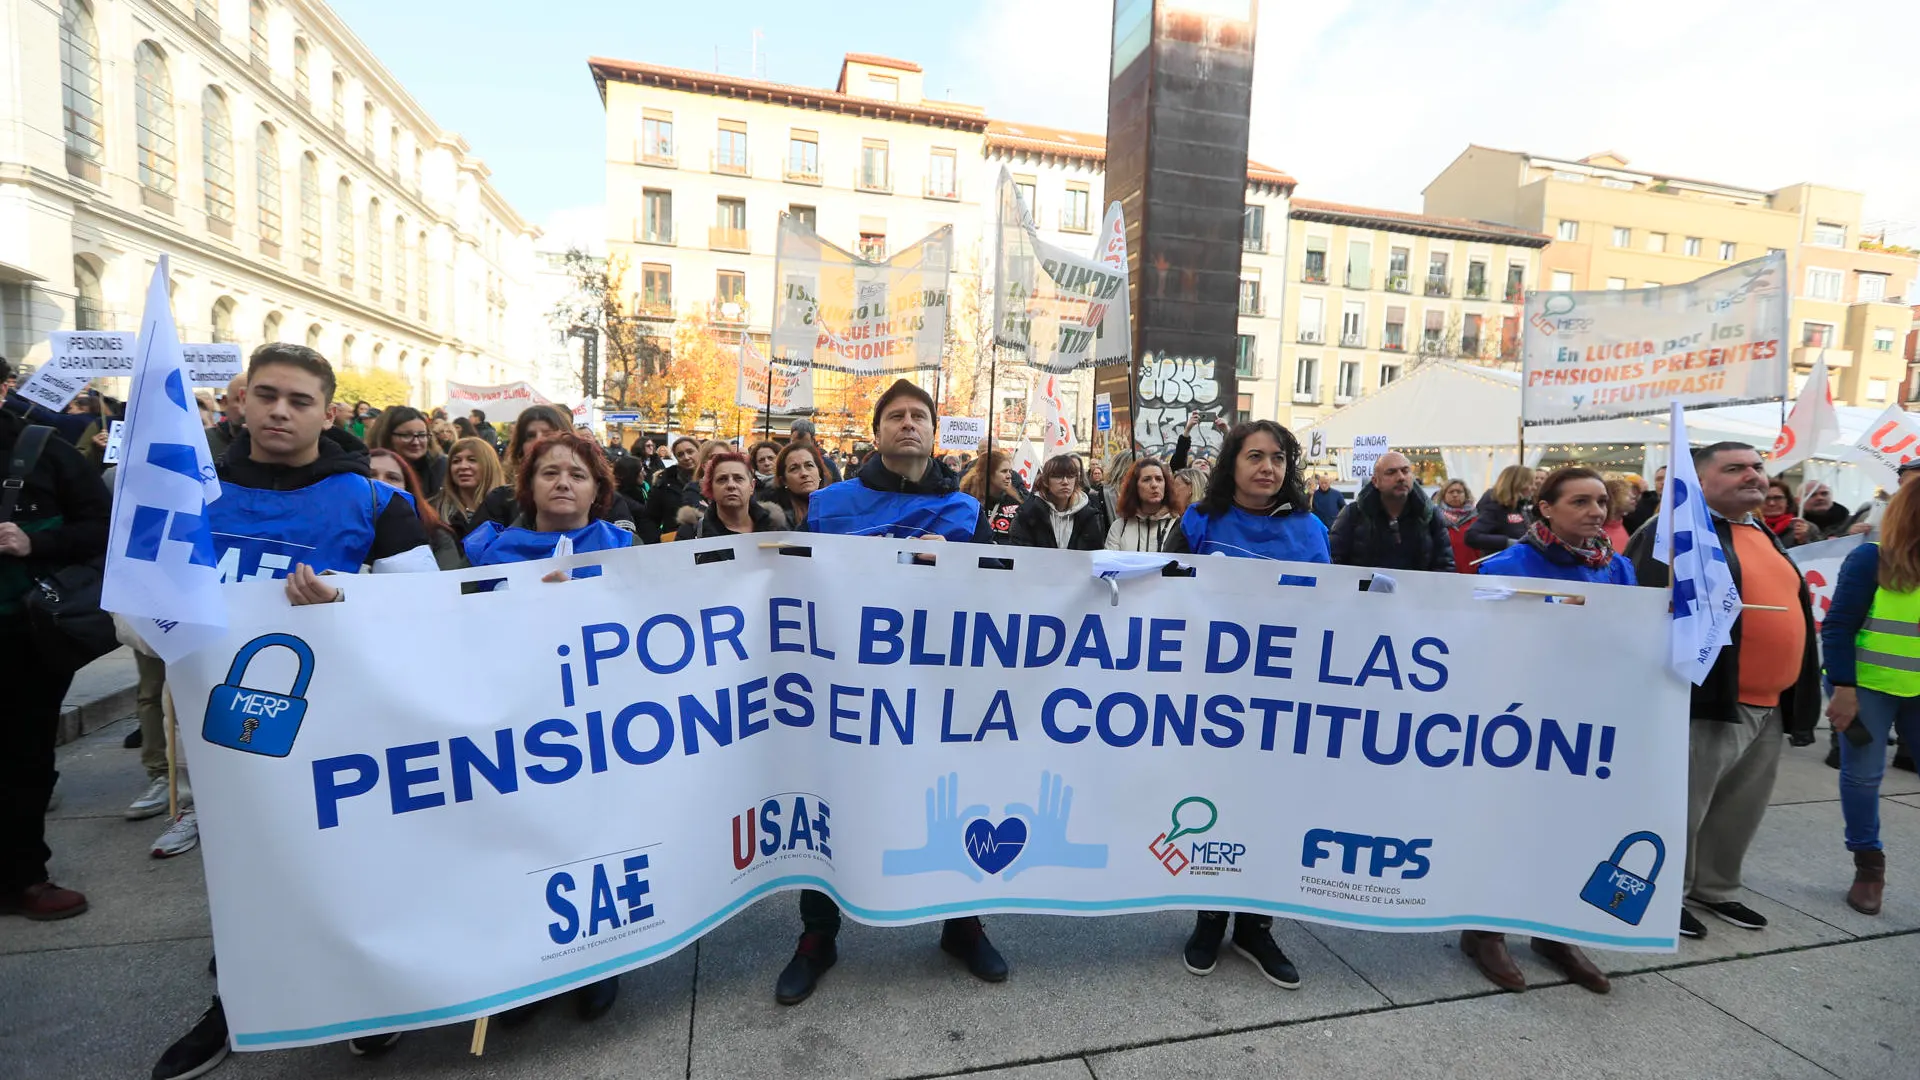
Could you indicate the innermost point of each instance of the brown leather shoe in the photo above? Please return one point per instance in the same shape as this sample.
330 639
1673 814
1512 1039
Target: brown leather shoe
44 902
1489 951
1869 881
1570 959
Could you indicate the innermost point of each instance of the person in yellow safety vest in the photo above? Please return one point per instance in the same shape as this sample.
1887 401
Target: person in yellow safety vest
1871 638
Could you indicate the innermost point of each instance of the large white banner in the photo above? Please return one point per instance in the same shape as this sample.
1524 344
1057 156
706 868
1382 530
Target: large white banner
1719 340
503 404
833 309
659 746
1062 310
771 386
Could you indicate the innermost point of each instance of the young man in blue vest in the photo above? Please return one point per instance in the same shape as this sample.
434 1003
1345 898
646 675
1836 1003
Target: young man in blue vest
295 503
899 491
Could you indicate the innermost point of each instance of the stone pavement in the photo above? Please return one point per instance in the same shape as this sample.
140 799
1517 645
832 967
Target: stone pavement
102 692
1824 992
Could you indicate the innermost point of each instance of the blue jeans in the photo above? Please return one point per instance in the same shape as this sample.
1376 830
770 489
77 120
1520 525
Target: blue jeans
1862 767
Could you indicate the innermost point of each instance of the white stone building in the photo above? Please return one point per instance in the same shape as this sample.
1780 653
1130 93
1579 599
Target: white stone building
302 194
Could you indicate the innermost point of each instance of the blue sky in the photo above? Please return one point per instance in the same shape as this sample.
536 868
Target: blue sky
1363 100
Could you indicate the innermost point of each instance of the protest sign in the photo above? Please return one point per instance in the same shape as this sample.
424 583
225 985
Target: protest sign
833 309
1820 563
755 374
1064 311
503 403
1892 440
51 388
962 432
1366 450
671 740
111 456
1719 340
92 353
212 366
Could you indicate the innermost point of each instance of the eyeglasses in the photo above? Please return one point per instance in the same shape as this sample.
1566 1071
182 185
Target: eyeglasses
413 436
1777 498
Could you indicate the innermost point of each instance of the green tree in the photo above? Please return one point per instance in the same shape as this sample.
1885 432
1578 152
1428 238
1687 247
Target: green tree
380 388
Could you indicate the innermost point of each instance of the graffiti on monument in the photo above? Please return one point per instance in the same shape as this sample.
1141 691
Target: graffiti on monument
1172 388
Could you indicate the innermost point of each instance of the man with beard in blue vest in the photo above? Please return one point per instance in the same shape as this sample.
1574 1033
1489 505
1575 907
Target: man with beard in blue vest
899 491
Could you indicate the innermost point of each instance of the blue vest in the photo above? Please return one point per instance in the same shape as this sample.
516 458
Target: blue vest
1295 537
851 508
492 544
328 525
1525 560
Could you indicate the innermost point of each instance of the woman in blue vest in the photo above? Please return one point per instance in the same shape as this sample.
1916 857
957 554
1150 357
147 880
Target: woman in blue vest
563 487
1871 641
1255 508
1566 542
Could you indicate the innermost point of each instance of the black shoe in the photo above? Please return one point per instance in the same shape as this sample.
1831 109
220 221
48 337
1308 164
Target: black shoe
1736 913
816 953
1903 760
1833 756
594 1000
134 740
1257 945
967 940
1203 946
373 1045
1691 926
199 1050
520 1014
213 966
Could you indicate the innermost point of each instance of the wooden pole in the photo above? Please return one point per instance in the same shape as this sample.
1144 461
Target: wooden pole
479 1044
1521 425
173 739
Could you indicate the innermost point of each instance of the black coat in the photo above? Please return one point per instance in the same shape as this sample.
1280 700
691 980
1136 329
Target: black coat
1363 535
1033 527
1643 510
1719 697
663 499
1495 527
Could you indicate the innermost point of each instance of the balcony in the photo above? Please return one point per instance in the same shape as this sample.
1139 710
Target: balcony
1258 245
1476 290
1305 397
724 312
1805 355
876 182
654 307
1516 294
659 232
1311 337
947 189
729 164
1255 306
802 174
1397 282
1314 275
1393 343
1439 285
1358 281
1353 341
658 156
727 238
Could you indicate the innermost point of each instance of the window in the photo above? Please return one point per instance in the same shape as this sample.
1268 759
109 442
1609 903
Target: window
346 352
1253 228
1389 373
1616 284
1353 325
1311 318
1775 251
943 176
1394 338
420 274
310 212
1622 237
1657 241
223 321
1872 287
803 156
1243 406
153 119
216 155
1397 259
729 225
1244 356
1509 337
376 255
257 33
270 327
313 336
88 302
1823 284
302 78
730 148
1250 297
1477 280
656 289
366 127
80 89
1470 336
875 175
1438 281
266 185
400 264
805 215
1562 281
1691 246
1313 270
1433 337
1073 213
1816 335
1359 264
656 222
1726 250
872 246
1876 389
1516 283
343 231
1829 234
339 103
656 137
1569 230
1349 383
419 163
730 287
1029 196
1650 284
1883 341
393 151
886 87
1306 379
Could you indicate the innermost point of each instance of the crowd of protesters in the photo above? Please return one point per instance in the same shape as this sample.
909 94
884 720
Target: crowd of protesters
397 489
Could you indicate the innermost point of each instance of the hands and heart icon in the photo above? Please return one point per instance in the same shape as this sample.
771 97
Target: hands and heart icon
993 848
967 842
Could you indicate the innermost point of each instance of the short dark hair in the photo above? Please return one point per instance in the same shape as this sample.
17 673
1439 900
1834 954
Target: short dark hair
1219 497
684 438
1704 454
297 356
481 413
789 450
1057 466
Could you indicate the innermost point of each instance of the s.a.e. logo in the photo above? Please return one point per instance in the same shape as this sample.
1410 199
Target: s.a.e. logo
619 894
794 824
1383 853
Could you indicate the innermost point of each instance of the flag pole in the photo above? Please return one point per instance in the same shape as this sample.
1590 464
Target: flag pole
1521 426
767 428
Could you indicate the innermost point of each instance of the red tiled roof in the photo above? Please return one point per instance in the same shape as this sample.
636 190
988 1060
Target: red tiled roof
1087 146
708 82
879 61
1340 213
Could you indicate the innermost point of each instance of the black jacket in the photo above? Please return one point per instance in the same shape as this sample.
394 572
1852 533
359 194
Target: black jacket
1719 697
63 508
395 531
1495 527
1033 526
1643 510
663 501
1363 535
996 520
765 516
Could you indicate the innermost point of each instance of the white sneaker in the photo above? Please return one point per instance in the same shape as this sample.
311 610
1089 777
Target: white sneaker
153 801
181 837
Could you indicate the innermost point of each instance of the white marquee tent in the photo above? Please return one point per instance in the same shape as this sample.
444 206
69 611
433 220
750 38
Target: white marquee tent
1469 417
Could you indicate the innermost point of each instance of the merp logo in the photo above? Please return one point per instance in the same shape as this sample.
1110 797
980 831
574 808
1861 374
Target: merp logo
242 717
794 823
1193 816
609 906
1384 853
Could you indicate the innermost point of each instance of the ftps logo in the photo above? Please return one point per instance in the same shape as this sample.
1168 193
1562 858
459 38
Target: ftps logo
1193 816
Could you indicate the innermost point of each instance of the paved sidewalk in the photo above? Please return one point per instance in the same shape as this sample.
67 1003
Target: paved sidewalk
1825 992
102 692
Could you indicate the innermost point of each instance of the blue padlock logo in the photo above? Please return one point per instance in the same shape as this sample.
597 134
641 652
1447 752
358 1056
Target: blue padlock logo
1620 892
242 717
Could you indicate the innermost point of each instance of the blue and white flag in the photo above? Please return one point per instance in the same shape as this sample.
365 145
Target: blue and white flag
1705 599
161 571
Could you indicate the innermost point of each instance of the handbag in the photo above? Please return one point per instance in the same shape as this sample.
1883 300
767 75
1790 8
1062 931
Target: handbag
70 630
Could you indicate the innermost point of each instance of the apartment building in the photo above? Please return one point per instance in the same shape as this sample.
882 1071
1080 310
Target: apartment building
302 194
700 166
1373 291
1615 227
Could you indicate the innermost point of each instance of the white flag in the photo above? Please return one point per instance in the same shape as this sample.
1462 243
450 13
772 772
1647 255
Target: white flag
1026 463
1057 428
161 572
1811 425
1064 310
1892 440
1705 600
